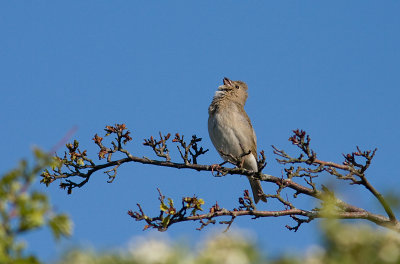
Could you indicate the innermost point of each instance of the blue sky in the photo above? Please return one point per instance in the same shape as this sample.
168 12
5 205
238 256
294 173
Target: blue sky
329 68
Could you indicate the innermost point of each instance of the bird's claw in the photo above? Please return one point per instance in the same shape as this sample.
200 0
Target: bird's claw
218 169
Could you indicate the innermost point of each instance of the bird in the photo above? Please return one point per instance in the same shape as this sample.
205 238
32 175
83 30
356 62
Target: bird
231 131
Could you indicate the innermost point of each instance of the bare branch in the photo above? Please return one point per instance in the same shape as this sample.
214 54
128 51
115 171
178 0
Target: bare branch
75 168
159 147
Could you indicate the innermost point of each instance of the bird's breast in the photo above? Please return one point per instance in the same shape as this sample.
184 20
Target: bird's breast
224 131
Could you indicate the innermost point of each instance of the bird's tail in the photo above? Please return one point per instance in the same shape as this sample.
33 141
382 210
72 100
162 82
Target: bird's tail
257 190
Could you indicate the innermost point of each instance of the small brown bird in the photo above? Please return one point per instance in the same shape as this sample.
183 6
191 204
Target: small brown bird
231 131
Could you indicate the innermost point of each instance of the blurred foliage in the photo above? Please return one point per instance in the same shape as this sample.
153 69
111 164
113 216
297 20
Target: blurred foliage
359 244
23 210
342 244
224 248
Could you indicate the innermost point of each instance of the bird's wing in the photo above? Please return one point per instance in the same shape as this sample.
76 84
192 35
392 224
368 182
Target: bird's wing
246 134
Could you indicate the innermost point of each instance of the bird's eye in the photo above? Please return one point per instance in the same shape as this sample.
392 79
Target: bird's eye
237 86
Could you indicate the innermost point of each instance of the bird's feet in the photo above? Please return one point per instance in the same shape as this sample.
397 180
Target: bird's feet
220 170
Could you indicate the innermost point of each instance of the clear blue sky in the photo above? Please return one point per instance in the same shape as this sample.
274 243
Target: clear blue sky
331 68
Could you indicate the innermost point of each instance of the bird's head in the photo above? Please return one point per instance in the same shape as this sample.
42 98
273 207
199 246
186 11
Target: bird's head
234 90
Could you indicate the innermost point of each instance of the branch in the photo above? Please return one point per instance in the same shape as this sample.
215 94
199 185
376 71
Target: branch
191 148
305 167
352 169
169 215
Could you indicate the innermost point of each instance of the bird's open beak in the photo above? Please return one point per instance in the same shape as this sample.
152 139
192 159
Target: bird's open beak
227 82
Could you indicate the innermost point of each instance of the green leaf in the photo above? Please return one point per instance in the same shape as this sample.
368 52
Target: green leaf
30 219
170 202
163 207
60 225
80 162
56 163
165 221
39 154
